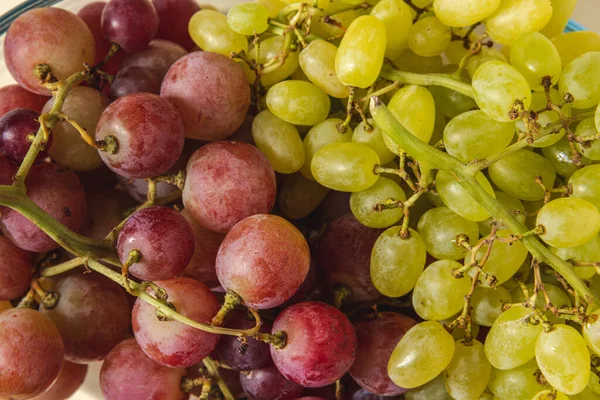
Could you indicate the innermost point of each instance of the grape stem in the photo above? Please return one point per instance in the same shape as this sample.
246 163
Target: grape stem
213 370
62 267
465 177
410 78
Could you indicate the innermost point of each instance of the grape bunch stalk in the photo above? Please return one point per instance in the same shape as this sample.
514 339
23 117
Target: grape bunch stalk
301 200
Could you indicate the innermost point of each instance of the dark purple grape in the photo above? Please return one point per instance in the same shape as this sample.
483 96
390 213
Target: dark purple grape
174 18
320 346
149 132
163 237
310 398
92 315
364 394
98 180
138 188
105 211
132 24
15 126
158 57
7 171
31 353
16 270
14 96
268 384
130 80
129 374
69 379
59 193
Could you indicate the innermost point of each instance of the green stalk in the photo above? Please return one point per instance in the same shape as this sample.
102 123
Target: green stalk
410 78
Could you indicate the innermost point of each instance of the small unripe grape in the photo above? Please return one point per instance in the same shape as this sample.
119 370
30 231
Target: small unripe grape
568 222
515 17
429 37
298 102
362 204
248 18
210 31
459 13
456 198
534 56
317 60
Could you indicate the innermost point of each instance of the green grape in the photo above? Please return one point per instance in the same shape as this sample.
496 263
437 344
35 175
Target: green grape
585 184
534 56
456 198
410 62
597 118
563 358
248 18
515 174
509 202
590 150
561 13
373 139
361 52
549 394
581 79
318 63
397 263
518 383
273 6
497 87
474 136
421 355
523 273
557 296
397 18
210 31
560 156
587 252
429 37
439 227
574 44
438 294
414 108
515 17
450 102
269 49
459 13
487 304
510 342
298 102
362 203
504 260
345 167
538 102
469 371
298 196
438 129
486 54
320 136
568 222
432 390
591 329
456 51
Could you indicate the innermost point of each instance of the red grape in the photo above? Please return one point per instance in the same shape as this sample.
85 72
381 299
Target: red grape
59 193
7 171
149 132
343 253
268 384
264 259
364 394
105 211
173 343
174 18
310 398
128 373
157 58
163 237
31 353
132 24
51 36
16 270
211 93
377 338
92 315
130 80
227 182
69 379
320 347
308 288
15 126
14 96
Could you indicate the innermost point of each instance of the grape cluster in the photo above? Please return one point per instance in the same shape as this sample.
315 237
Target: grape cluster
334 199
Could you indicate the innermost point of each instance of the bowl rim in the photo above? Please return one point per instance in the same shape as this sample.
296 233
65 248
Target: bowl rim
7 18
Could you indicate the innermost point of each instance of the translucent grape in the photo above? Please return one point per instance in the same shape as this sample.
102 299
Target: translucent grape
498 87
562 159
459 13
248 18
397 18
298 196
298 102
429 37
534 56
515 17
458 199
270 49
557 296
375 140
585 184
422 354
132 24
174 17
320 136
573 44
434 389
210 31
591 331
469 371
568 222
487 304
581 79
449 102
538 102
362 204
317 60
485 55
518 383
561 12
590 150
409 61
588 252
397 263
511 203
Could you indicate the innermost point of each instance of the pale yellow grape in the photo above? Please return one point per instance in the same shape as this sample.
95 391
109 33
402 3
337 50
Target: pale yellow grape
597 117
591 330
434 389
590 149
557 296
469 371
362 203
581 79
573 44
320 136
345 167
568 222
511 340
524 271
512 204
487 304
298 196
429 37
515 17
563 358
317 60
397 17
585 184
456 51
459 13
373 139
497 86
486 54
269 49
448 102
210 31
437 294
273 6
361 52
538 102
397 263
248 18
422 354
410 62
550 395
561 13
518 383
458 199
588 252
327 26
279 141
298 102
535 57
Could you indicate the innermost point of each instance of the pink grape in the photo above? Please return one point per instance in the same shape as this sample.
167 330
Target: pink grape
320 347
264 259
15 126
14 96
59 193
174 18
173 343
128 373
269 384
227 182
69 379
16 270
149 132
31 353
51 36
211 93
132 24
